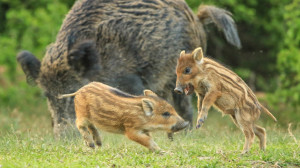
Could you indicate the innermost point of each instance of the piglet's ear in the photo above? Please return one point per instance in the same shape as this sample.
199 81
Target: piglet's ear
198 54
147 107
84 59
182 53
149 93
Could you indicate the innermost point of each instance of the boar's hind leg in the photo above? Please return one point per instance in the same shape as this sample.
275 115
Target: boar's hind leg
95 133
82 125
142 138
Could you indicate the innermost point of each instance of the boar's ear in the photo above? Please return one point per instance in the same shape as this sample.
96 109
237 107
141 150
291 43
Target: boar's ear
198 55
149 93
182 53
84 59
30 65
147 107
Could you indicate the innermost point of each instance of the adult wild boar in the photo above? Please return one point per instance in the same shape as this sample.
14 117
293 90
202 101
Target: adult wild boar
129 44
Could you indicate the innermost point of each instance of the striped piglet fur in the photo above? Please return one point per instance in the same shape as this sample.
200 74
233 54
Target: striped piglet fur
216 85
99 106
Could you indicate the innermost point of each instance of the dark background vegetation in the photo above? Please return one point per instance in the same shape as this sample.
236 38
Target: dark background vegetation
269 60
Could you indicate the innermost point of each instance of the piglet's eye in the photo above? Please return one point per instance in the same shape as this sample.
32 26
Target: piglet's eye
166 114
187 70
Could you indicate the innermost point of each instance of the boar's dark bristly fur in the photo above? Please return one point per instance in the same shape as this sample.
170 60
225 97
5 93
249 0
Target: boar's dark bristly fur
128 44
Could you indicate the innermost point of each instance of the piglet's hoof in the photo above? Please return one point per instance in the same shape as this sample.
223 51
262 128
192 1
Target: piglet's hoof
244 152
91 145
161 152
199 123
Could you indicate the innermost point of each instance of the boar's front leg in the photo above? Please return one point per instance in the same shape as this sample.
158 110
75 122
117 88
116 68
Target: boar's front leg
183 107
208 100
129 83
142 138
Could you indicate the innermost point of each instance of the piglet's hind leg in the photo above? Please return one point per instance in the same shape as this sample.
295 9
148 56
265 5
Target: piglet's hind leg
83 129
95 133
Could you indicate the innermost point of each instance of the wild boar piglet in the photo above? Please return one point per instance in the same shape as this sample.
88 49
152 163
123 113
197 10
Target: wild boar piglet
100 106
216 85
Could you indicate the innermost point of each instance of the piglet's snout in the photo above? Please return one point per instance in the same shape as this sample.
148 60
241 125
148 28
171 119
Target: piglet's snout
178 88
179 126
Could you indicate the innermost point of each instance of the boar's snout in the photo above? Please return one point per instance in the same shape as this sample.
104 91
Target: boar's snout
178 89
179 126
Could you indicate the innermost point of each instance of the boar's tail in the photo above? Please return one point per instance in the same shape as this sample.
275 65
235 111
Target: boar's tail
66 95
268 112
222 18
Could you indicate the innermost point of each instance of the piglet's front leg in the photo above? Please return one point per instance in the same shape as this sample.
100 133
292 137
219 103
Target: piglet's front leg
142 138
208 101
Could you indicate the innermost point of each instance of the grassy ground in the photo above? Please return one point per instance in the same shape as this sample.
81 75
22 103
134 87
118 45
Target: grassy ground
29 143
26 140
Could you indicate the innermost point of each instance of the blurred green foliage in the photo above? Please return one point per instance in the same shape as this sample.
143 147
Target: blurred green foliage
269 60
289 56
30 25
288 63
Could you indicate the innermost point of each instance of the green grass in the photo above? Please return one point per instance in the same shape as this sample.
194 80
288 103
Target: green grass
217 144
26 140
